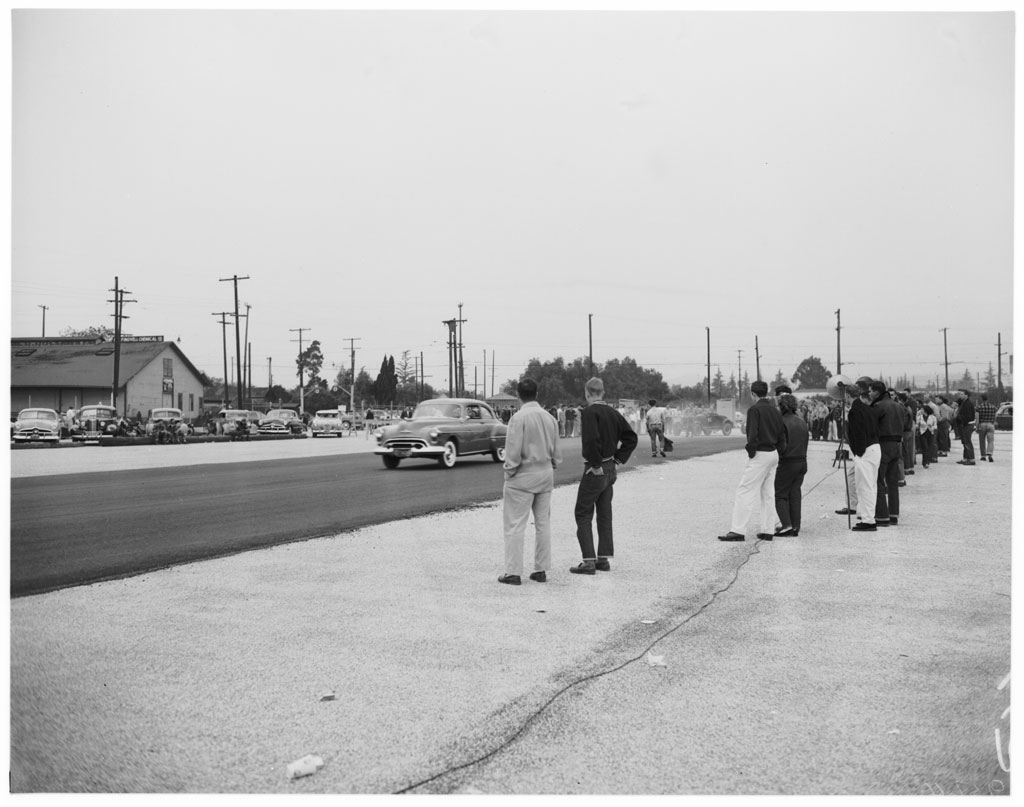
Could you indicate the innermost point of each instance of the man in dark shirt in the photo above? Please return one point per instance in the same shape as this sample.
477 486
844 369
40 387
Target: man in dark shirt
862 435
789 476
607 440
986 413
890 440
965 416
766 440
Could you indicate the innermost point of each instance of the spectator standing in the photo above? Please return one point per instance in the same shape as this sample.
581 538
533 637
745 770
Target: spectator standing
986 414
766 440
945 417
607 441
561 420
789 476
927 426
532 453
890 417
909 432
965 420
862 434
656 427
570 421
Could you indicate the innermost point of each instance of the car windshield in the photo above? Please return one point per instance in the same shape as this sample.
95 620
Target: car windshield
38 414
97 411
438 410
165 414
283 414
327 415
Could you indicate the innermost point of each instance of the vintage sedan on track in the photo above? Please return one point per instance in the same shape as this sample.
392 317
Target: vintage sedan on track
443 429
36 425
282 421
95 421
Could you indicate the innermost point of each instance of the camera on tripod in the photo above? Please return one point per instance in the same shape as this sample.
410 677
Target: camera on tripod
842 454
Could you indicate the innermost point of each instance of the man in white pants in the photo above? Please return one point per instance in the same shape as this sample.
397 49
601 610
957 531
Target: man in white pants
766 440
531 454
862 435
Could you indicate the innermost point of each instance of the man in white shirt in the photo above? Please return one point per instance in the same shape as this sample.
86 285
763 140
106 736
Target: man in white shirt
532 453
656 428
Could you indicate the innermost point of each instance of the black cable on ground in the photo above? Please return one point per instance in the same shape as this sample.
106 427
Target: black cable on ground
594 676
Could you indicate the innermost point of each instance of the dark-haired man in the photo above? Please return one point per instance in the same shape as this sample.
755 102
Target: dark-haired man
766 440
890 440
656 427
986 413
531 455
965 416
789 476
862 435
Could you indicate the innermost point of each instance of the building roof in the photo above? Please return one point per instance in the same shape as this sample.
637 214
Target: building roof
83 363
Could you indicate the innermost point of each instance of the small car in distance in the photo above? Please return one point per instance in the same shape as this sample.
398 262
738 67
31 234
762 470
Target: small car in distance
706 423
443 429
166 425
1004 417
227 421
282 421
95 421
36 425
327 422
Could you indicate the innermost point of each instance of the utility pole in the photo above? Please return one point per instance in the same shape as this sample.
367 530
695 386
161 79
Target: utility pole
739 376
839 354
119 315
945 354
757 357
492 370
44 307
238 335
462 365
302 384
708 329
423 378
352 389
999 365
224 332
451 356
247 382
485 374
590 331
270 372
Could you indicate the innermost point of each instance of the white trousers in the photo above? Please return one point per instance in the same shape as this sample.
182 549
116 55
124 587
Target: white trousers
851 482
865 475
757 485
516 508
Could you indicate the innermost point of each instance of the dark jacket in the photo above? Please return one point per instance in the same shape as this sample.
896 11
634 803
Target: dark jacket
765 430
862 427
796 438
890 416
965 412
605 434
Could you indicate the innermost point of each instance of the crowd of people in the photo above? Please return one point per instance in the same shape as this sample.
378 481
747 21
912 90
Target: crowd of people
880 431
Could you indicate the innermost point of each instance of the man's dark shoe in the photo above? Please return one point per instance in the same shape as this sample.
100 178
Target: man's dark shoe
511 579
894 520
654 454
731 536
864 527
990 458
783 531
901 485
663 453
846 511
765 536
587 567
540 577
965 462
909 472
881 523
943 454
603 565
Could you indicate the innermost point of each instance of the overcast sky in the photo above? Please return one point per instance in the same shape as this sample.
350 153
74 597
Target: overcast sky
664 172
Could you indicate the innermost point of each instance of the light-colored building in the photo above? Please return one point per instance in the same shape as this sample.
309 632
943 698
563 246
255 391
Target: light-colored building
66 372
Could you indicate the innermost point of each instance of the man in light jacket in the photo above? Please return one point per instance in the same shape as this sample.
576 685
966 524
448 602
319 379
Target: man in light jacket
532 453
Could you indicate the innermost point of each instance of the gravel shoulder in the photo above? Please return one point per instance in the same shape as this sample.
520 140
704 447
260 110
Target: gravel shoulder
210 677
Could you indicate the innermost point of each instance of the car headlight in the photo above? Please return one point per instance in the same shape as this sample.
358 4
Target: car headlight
379 434
433 435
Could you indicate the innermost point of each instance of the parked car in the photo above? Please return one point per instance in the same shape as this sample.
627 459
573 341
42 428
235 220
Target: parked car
1004 416
36 425
282 421
444 430
327 422
95 421
227 421
166 425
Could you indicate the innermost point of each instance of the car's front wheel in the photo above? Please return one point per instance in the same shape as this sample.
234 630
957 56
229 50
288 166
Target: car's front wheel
726 428
390 462
498 455
451 453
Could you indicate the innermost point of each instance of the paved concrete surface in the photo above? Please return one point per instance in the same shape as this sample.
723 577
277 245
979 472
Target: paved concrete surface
833 662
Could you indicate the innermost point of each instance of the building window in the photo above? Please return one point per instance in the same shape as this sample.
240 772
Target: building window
191 402
168 368
200 401
181 397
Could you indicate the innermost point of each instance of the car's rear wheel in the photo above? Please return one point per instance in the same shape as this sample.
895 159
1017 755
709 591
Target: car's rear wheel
498 455
726 427
390 462
451 454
